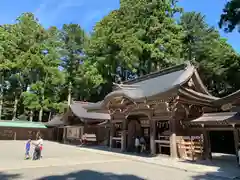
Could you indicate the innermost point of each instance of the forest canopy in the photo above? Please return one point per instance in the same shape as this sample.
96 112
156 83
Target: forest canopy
42 70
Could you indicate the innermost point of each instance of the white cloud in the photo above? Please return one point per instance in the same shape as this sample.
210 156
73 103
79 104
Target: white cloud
94 16
48 11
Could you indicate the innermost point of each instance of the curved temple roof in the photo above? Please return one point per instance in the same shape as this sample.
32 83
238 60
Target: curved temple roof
154 84
77 109
227 99
213 118
55 121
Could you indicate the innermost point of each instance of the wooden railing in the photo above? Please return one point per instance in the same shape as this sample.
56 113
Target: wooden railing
191 149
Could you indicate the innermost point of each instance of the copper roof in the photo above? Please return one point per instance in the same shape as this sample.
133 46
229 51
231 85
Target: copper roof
231 98
56 121
154 84
78 110
213 118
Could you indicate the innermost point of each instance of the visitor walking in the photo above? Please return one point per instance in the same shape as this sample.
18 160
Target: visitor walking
137 145
143 144
38 148
27 149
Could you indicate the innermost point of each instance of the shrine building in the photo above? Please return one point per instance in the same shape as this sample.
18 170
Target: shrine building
164 108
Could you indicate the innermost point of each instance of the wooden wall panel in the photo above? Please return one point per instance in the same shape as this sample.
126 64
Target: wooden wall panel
10 133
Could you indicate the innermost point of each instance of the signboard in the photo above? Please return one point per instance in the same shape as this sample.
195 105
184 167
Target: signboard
192 138
163 124
73 132
144 122
7 133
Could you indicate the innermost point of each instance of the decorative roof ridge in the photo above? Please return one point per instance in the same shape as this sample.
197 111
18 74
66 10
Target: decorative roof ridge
80 106
228 98
159 73
81 102
125 86
219 114
199 93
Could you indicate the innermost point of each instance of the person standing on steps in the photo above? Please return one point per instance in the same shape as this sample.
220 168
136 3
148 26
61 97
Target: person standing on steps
137 145
142 144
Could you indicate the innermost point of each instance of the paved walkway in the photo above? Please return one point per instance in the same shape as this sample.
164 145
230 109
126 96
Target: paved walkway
223 169
61 162
57 155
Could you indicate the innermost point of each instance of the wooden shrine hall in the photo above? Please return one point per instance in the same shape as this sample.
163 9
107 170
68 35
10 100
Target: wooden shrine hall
76 122
154 106
220 128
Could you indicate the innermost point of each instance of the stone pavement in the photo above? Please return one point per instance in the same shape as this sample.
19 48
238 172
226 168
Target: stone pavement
61 162
221 169
63 156
122 170
54 154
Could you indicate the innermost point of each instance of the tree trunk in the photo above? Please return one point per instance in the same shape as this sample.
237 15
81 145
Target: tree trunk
15 108
1 95
50 115
69 93
31 116
40 114
1 105
42 100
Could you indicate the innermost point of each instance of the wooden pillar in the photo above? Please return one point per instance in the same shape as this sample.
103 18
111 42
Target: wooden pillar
15 135
173 139
57 133
124 135
206 145
236 140
152 137
64 134
111 135
85 128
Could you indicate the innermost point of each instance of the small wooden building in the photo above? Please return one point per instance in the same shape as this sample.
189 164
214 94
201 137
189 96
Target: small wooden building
23 130
220 128
70 127
156 106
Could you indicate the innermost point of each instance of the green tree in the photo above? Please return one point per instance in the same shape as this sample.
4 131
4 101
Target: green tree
39 58
7 59
203 45
89 81
230 18
72 52
16 83
196 31
139 37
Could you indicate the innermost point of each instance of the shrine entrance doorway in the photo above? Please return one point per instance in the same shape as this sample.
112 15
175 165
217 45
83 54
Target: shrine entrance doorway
222 142
138 126
134 130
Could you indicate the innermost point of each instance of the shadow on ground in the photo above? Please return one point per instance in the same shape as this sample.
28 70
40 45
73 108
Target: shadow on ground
117 150
227 168
227 164
91 175
5 176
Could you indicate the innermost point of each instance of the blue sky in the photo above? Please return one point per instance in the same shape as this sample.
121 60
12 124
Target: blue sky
88 12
